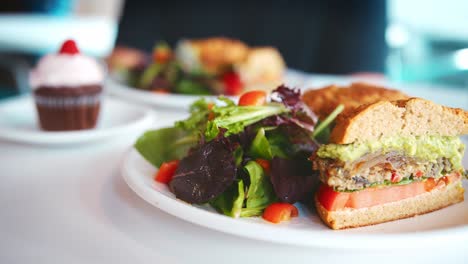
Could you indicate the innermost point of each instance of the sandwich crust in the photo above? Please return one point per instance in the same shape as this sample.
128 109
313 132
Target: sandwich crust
421 204
324 101
410 117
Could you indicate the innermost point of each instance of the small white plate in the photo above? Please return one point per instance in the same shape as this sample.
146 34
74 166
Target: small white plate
448 226
179 101
19 122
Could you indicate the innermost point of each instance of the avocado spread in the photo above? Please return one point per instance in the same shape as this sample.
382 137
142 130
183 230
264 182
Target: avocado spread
428 148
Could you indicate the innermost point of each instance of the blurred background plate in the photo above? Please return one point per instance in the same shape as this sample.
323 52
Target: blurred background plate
18 122
292 78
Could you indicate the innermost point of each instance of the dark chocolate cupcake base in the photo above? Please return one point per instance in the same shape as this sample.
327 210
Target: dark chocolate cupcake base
68 108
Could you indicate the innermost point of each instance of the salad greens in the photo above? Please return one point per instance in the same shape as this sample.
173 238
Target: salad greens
231 201
219 144
172 143
165 71
260 146
188 86
149 74
260 192
235 118
199 112
245 201
322 130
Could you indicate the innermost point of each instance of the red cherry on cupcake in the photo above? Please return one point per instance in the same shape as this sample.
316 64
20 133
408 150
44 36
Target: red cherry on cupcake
69 47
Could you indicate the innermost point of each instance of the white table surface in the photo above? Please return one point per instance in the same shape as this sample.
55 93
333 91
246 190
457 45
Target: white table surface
71 205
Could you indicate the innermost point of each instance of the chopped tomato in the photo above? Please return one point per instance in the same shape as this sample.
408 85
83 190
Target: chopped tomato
232 83
445 179
455 176
166 171
265 164
253 98
396 177
211 114
162 54
278 212
332 200
429 184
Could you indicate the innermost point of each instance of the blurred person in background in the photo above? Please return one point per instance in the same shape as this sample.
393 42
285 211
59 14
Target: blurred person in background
335 37
314 36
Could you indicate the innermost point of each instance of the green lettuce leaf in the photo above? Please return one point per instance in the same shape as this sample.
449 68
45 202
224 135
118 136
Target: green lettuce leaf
227 102
196 122
230 202
260 191
269 143
238 155
279 144
187 86
158 146
323 128
260 147
149 74
236 202
235 118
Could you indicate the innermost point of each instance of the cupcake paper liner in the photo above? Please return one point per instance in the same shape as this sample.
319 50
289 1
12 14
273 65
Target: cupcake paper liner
67 101
63 113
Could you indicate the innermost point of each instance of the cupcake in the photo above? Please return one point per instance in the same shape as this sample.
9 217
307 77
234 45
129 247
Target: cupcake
67 89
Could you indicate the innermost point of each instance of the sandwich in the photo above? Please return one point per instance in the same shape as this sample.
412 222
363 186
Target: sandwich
389 160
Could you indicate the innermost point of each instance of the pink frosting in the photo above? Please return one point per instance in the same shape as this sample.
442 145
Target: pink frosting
56 70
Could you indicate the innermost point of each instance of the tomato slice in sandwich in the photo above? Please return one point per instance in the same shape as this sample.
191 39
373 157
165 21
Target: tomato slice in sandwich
332 200
376 196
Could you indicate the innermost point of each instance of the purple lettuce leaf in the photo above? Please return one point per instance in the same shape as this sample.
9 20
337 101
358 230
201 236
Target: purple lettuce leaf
291 98
293 180
206 172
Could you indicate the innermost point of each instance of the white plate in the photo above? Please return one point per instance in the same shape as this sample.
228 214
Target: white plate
18 122
178 101
448 226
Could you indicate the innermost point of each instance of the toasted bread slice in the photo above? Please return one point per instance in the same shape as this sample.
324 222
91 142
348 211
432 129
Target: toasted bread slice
411 117
421 204
324 101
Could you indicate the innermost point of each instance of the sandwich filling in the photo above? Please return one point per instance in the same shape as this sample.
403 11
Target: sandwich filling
389 161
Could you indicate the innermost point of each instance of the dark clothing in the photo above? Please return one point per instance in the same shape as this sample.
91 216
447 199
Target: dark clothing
315 36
